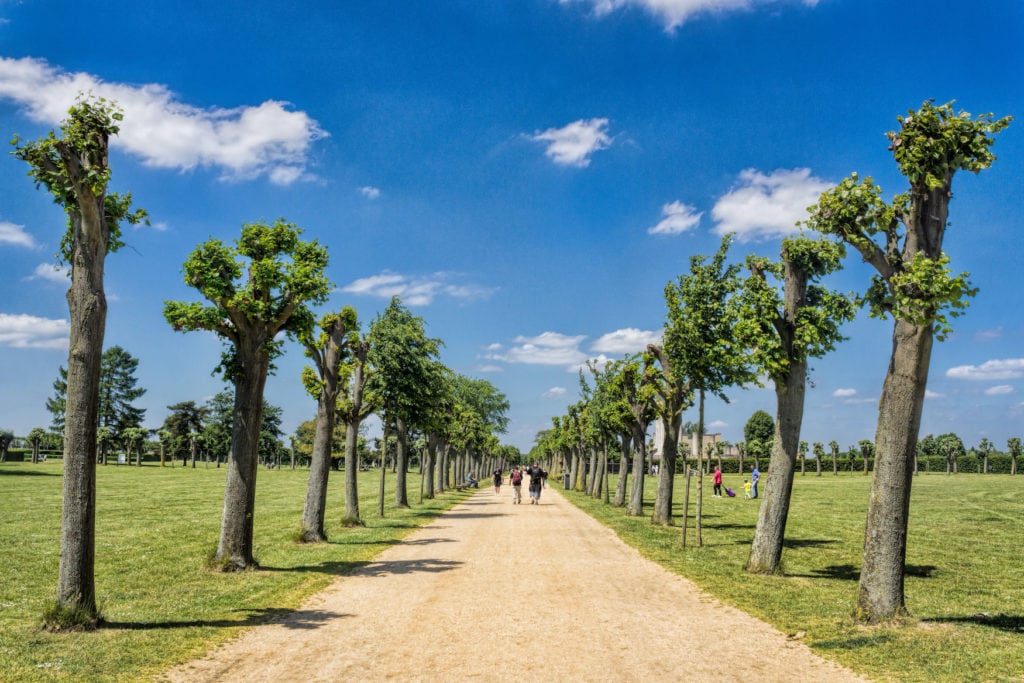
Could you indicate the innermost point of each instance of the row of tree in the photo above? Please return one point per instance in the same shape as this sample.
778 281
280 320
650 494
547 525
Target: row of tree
256 291
723 330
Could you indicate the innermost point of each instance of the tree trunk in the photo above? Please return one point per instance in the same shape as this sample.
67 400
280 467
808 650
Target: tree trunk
881 596
87 307
236 532
769 535
352 472
636 493
621 486
574 470
667 470
383 469
592 471
401 463
319 470
698 518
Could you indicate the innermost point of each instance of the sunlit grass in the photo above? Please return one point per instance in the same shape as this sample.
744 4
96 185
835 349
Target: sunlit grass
155 529
965 586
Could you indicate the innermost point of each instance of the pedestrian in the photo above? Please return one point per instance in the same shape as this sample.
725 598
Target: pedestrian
515 478
497 481
754 476
717 479
537 477
746 489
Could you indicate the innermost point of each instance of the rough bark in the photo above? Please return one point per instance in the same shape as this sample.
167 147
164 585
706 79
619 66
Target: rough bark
401 463
87 305
667 470
236 534
880 594
636 493
769 535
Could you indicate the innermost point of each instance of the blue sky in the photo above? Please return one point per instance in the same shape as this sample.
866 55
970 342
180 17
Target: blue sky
527 175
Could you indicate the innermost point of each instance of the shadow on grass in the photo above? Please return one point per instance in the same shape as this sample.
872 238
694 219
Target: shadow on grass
26 473
1002 622
807 542
298 619
848 572
854 642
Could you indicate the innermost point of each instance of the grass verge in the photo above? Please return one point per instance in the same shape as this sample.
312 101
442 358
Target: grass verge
964 585
155 529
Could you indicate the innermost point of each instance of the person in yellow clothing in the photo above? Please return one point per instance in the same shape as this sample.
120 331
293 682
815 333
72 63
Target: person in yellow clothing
746 489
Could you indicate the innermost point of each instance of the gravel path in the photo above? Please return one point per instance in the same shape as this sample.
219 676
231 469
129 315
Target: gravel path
500 592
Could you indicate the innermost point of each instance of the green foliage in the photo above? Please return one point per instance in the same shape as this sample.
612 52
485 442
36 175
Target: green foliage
73 168
284 275
760 427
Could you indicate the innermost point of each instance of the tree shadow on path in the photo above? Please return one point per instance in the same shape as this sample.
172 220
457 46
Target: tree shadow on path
299 619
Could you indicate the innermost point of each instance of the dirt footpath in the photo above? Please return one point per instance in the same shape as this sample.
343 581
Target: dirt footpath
501 592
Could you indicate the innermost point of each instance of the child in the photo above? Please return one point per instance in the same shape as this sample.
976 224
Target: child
746 489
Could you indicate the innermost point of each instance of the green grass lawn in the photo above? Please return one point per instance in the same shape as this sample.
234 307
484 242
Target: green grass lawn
965 565
155 528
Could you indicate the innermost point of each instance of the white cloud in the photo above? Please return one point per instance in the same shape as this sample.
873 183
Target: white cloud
573 144
555 392
844 393
598 361
268 139
51 272
15 235
369 192
677 218
718 424
989 335
1009 368
415 290
765 206
22 331
549 348
1000 390
673 13
929 394
627 340
489 368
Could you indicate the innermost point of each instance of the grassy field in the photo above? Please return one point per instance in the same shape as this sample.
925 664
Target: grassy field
965 583
155 528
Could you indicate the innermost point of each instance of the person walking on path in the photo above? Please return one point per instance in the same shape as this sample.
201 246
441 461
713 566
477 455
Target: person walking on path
754 476
497 482
537 477
718 482
515 478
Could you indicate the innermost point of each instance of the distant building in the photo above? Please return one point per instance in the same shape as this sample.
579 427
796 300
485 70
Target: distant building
731 451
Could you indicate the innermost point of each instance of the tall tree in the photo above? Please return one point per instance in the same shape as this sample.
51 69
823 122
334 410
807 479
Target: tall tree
786 328
57 404
902 241
35 439
353 407
327 346
118 391
182 426
405 377
74 169
1013 446
284 274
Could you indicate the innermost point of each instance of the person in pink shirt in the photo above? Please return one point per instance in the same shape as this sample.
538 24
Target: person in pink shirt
718 482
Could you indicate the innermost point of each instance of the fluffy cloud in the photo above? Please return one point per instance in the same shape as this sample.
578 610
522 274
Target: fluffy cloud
489 368
415 291
677 218
1000 390
573 144
268 139
369 192
52 273
627 340
929 394
765 206
555 392
549 348
22 331
15 235
844 393
1009 368
673 13
989 335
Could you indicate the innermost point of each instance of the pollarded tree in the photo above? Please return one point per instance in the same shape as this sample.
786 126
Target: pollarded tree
284 274
74 169
833 447
638 392
984 448
785 329
6 439
35 439
182 426
1013 446
354 406
133 439
902 241
327 345
819 454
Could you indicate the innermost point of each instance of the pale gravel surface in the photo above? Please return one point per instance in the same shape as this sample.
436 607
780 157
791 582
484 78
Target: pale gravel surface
500 592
